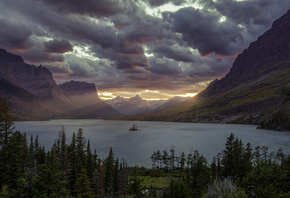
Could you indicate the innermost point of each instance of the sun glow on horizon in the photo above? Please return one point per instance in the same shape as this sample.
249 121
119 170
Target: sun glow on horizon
146 95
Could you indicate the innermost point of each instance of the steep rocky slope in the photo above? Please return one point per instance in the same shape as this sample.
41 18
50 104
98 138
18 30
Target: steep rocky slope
249 92
24 105
85 95
36 80
33 94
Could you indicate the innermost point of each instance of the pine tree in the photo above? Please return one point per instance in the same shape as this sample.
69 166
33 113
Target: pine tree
165 159
177 189
90 164
228 156
6 122
100 180
15 152
49 180
109 171
73 160
172 158
135 186
116 178
198 175
80 150
6 129
123 177
83 185
182 160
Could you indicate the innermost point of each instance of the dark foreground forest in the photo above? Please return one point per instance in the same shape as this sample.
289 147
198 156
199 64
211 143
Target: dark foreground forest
73 170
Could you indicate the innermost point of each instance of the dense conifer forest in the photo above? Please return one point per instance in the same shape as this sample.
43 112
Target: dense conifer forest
74 170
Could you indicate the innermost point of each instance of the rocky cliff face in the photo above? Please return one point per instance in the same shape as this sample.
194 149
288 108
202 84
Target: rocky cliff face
33 94
83 92
84 95
24 105
36 80
269 53
251 89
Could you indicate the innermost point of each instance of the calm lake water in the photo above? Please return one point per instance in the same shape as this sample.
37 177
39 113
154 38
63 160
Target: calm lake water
137 146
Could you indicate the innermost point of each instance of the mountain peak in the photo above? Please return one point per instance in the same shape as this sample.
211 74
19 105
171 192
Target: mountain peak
9 57
79 88
261 57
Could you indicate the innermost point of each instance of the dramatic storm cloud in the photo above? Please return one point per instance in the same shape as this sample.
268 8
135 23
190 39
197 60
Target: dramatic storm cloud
166 47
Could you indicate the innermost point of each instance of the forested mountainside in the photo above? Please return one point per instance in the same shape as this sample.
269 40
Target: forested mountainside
33 94
250 93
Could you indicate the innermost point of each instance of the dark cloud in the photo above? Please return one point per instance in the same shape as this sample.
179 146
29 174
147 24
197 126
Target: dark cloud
36 55
14 36
174 52
209 68
164 67
203 31
99 8
128 48
116 44
258 12
80 67
58 46
156 3
131 61
69 27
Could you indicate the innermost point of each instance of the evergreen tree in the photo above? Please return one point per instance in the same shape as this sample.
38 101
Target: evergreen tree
177 189
165 159
15 153
49 180
172 158
135 186
90 164
109 171
154 160
228 157
80 150
6 122
100 180
182 160
73 160
83 185
116 178
123 177
159 159
198 175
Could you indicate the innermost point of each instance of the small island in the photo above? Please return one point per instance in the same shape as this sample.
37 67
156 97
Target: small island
134 128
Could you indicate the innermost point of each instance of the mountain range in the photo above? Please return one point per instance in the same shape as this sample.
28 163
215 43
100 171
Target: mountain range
255 91
136 105
250 93
33 94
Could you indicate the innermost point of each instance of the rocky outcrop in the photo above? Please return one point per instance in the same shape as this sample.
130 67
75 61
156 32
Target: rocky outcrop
82 92
36 80
33 94
85 96
26 106
271 52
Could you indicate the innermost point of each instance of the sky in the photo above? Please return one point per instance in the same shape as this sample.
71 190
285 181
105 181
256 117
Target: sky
155 48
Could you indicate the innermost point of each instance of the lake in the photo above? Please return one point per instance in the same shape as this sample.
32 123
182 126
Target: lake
137 146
